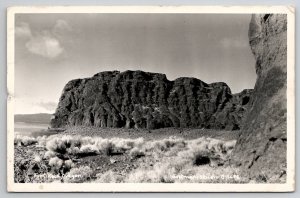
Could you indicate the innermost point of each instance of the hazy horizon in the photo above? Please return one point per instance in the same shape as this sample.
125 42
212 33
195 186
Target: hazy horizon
52 49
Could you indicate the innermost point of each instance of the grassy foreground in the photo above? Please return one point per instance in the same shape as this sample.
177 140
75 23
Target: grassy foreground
111 155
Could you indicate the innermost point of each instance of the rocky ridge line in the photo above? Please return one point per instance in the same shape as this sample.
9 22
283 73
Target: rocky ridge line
137 99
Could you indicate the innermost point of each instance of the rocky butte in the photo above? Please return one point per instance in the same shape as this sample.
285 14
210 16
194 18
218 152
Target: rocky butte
261 147
137 99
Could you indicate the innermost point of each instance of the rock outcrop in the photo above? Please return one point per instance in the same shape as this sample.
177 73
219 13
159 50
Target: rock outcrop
149 100
261 147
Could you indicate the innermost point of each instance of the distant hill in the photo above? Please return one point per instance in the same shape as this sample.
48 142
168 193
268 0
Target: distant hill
43 118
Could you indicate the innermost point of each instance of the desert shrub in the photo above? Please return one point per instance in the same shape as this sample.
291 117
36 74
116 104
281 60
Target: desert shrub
73 150
49 154
89 149
159 146
68 140
208 151
68 165
178 160
37 159
160 173
109 177
167 160
229 145
104 146
55 163
126 144
174 141
56 145
165 172
169 171
21 140
136 142
25 169
75 141
195 155
136 153
87 140
178 166
20 169
65 144
142 176
77 145
87 145
165 144
42 140
78 175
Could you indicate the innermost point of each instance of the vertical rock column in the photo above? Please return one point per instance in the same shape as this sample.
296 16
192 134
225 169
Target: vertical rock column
261 147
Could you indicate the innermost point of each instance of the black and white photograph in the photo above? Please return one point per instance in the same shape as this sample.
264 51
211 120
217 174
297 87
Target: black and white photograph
151 99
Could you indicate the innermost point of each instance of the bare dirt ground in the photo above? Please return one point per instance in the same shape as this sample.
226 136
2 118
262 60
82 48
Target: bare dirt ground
152 134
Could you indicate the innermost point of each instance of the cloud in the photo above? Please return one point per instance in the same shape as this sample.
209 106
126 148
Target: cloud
61 30
45 45
23 30
233 43
61 25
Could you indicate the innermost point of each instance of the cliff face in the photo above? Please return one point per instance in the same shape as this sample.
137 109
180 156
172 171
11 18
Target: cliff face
261 148
149 100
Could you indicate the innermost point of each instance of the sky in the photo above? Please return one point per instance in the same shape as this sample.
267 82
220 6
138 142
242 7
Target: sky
52 49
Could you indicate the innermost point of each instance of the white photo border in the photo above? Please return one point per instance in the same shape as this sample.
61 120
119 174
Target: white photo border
153 187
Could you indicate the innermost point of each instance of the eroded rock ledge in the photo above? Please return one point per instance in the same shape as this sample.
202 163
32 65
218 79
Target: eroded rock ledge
261 148
149 100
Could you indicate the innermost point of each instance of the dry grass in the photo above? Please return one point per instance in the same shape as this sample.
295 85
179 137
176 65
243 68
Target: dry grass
176 160
168 160
177 170
24 140
109 177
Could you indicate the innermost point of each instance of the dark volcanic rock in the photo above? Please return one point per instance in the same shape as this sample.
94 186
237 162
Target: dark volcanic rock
261 148
148 100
